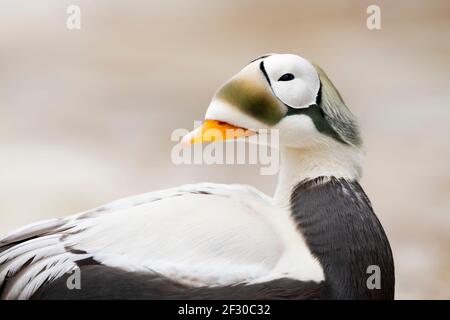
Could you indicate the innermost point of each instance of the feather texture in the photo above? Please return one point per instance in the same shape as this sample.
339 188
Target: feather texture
197 235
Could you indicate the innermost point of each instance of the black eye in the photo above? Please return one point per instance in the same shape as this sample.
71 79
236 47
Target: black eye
286 77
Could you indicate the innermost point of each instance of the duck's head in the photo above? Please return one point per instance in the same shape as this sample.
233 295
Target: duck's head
284 92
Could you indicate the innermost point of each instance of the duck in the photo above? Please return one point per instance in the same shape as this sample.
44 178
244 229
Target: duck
316 238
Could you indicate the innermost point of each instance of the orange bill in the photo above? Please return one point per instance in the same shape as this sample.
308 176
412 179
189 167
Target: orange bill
214 130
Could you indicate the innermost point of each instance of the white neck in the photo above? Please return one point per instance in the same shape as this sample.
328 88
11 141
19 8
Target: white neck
300 164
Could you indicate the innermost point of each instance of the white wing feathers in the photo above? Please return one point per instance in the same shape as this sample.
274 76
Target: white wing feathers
203 234
32 230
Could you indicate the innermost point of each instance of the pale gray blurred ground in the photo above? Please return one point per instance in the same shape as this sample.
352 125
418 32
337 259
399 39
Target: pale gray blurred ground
86 116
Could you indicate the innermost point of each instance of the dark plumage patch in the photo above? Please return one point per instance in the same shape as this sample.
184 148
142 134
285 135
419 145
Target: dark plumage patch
5 283
102 282
342 231
263 70
319 94
200 192
261 57
318 118
336 112
253 99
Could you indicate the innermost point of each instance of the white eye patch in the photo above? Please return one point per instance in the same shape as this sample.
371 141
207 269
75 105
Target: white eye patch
294 80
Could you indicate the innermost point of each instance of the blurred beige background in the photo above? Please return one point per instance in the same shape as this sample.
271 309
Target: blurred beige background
86 115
